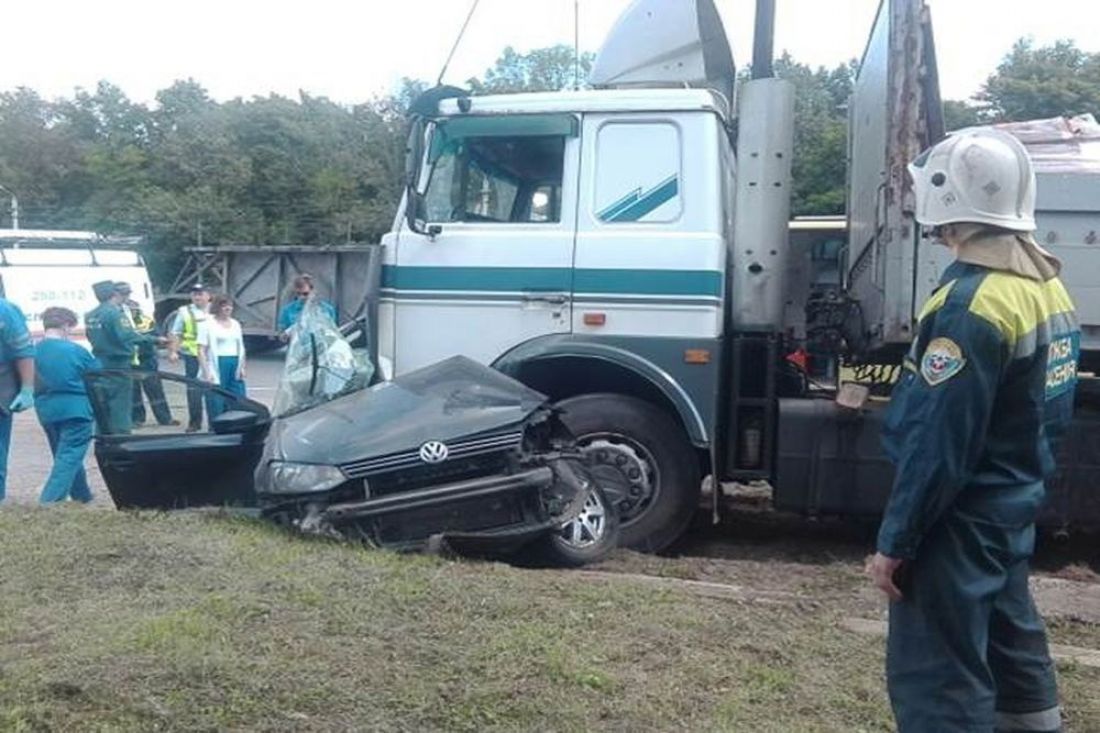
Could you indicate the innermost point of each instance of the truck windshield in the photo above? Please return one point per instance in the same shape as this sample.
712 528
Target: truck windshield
497 168
497 179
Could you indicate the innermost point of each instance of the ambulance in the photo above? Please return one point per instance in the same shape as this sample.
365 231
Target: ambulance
43 268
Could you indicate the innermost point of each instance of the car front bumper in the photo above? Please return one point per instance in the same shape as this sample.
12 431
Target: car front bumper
497 511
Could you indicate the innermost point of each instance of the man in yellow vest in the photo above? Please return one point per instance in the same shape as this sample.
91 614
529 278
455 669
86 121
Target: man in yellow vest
188 339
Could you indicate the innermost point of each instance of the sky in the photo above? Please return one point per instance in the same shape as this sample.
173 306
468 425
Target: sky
351 51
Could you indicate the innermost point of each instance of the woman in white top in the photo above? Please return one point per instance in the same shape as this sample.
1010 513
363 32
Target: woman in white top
225 344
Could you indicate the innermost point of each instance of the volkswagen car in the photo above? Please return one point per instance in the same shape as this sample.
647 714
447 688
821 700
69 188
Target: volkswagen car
454 454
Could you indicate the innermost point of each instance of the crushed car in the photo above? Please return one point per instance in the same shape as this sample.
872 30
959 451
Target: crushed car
453 454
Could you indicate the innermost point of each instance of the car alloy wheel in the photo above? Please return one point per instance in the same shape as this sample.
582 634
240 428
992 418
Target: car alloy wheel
589 526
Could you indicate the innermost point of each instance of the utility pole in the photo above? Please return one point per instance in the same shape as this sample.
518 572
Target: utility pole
14 206
576 45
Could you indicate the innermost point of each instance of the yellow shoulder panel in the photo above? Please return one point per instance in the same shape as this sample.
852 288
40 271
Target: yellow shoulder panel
1017 305
936 301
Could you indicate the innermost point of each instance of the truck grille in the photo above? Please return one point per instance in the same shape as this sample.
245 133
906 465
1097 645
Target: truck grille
411 459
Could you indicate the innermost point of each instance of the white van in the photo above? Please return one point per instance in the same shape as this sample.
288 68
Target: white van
41 268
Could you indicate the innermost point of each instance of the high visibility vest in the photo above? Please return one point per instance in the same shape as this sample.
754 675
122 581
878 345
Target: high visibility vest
189 338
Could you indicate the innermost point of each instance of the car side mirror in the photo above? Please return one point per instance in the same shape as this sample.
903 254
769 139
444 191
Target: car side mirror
235 421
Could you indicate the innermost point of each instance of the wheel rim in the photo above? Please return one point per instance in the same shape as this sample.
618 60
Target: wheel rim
589 526
625 470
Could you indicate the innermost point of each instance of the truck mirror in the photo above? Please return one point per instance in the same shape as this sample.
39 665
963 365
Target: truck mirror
414 150
425 162
417 171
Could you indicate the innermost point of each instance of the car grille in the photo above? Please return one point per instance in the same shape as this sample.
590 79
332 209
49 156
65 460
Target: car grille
457 450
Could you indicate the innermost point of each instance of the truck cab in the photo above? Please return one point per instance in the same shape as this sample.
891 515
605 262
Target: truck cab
580 242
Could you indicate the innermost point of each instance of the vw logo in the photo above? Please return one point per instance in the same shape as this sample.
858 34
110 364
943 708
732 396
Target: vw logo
434 451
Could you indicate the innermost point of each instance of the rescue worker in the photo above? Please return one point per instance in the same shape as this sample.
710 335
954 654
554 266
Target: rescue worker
61 402
16 377
145 361
292 311
188 338
972 429
113 343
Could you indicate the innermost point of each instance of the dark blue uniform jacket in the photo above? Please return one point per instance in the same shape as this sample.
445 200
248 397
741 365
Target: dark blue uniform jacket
986 391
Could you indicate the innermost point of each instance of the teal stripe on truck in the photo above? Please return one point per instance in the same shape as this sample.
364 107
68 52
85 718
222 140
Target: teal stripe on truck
563 279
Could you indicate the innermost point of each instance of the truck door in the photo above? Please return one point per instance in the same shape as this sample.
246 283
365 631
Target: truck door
496 268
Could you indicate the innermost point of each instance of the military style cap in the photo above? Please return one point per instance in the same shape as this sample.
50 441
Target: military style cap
103 289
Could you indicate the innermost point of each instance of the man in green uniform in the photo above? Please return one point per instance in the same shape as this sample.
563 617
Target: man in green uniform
113 343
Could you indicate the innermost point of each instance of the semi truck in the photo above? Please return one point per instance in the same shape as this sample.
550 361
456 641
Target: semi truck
626 251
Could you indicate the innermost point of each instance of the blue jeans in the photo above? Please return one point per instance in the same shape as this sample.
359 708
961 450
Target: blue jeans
69 441
227 380
5 442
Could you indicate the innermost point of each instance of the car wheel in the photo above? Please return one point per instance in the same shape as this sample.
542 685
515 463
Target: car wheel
587 538
643 462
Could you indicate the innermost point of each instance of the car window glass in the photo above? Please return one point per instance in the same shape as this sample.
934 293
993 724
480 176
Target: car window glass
149 403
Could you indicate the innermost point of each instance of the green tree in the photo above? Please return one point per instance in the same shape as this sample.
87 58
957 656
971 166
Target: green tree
958 114
540 70
1050 81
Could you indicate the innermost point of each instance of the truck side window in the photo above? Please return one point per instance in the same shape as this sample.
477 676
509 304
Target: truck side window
632 186
498 179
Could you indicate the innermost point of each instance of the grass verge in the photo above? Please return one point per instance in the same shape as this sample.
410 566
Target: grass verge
117 621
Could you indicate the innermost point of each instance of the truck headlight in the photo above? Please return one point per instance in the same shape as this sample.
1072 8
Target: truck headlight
303 478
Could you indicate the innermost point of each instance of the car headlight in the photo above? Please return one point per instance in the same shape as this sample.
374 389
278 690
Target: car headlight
303 478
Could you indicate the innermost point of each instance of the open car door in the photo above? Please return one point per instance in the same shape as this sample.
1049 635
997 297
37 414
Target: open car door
157 465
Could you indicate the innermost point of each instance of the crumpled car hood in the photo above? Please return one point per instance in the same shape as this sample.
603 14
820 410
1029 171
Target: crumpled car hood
454 398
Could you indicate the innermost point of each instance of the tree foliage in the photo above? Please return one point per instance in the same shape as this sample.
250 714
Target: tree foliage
1049 81
540 70
189 169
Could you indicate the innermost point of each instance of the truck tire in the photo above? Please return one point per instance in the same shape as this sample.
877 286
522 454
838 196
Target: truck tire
642 461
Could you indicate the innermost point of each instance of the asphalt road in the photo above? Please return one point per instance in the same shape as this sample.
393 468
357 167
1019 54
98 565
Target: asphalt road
29 459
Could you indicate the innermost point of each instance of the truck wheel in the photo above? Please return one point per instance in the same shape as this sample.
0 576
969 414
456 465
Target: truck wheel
588 538
642 461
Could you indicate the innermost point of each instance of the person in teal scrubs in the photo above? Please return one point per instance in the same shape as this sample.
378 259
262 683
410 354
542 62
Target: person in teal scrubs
62 406
16 376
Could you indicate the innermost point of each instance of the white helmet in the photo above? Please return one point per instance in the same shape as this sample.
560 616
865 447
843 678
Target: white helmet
977 175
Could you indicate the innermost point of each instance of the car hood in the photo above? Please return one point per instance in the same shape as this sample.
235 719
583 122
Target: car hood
448 400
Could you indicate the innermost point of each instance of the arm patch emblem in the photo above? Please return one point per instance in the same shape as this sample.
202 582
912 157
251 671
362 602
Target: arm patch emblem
942 360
